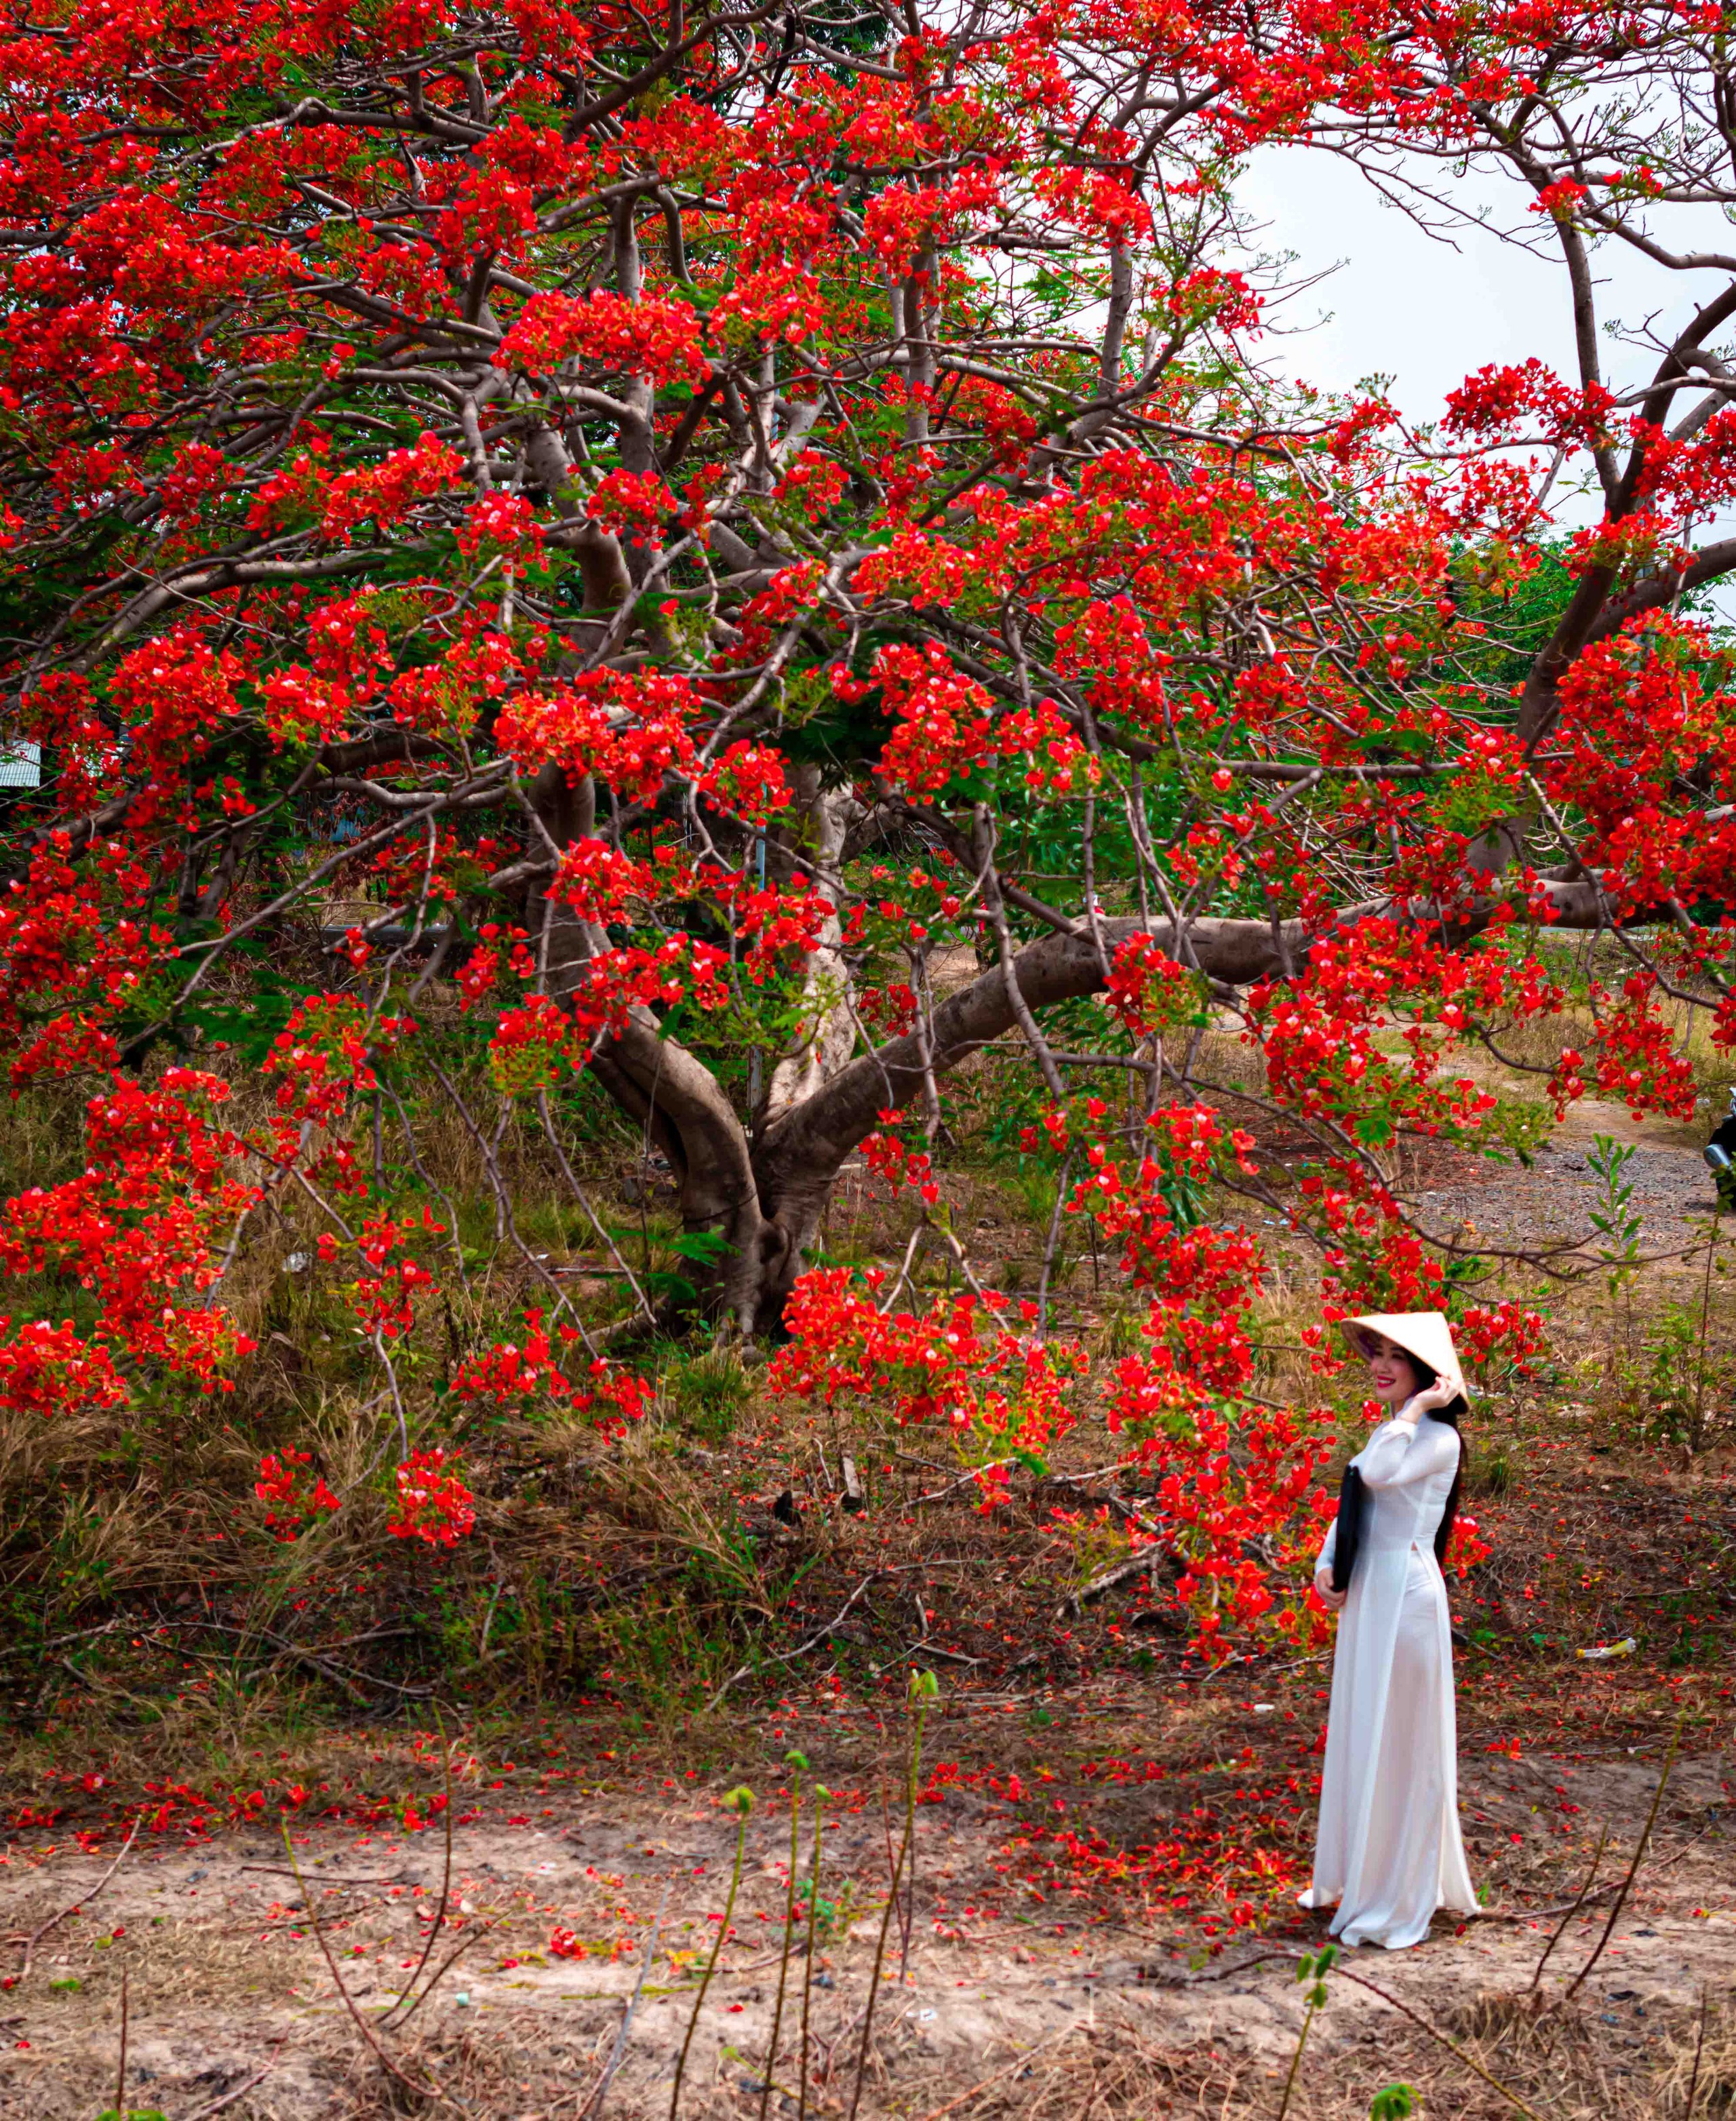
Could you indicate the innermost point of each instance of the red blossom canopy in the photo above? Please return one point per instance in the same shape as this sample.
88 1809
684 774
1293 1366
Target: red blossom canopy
635 539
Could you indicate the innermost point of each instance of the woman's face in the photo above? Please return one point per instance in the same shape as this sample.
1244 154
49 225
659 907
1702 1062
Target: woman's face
1391 1371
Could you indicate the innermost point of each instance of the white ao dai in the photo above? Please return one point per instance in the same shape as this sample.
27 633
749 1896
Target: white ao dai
1389 1850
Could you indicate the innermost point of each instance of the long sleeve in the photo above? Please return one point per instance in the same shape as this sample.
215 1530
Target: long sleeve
1397 1453
1328 1548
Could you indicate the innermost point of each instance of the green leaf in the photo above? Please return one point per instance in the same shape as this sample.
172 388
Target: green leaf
670 1284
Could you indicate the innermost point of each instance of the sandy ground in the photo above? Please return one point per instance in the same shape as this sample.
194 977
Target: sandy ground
1031 2012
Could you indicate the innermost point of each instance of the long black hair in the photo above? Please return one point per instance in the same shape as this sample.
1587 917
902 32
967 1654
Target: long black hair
1450 1413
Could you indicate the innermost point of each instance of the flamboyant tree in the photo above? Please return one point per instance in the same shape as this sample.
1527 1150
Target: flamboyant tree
699 522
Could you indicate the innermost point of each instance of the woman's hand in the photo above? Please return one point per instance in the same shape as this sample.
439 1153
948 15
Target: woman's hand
1328 1597
1438 1394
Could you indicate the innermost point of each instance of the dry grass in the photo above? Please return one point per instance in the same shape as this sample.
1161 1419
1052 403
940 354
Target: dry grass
660 1557
1109 2071
474 2073
530 2064
1697 2073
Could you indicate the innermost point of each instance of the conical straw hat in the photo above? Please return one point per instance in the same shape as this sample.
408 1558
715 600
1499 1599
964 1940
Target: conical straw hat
1424 1334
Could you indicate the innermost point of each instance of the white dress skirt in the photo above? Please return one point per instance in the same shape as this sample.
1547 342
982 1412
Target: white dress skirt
1388 1850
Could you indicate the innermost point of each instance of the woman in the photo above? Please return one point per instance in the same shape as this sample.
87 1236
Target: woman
1388 1849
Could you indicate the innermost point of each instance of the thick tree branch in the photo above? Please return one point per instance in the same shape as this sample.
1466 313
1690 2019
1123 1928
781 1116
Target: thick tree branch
799 1156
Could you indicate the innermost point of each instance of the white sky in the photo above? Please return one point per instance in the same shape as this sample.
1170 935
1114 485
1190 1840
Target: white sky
1428 312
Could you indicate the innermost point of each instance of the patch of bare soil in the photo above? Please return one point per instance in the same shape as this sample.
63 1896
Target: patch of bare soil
1552 1202
1052 1974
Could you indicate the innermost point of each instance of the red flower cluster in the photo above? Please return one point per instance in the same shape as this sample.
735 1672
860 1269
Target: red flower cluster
896 1164
1149 991
658 336
533 1047
1233 1478
137 1228
280 1483
481 534
507 1375
383 1300
326 1054
434 1505
1002 1395
47 1369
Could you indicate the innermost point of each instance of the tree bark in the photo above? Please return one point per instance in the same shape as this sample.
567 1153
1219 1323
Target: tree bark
827 1033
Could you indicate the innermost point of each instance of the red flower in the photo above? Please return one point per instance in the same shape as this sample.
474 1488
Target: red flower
433 1504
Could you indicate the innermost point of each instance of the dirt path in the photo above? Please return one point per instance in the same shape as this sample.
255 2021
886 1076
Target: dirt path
1505 1205
1063 2007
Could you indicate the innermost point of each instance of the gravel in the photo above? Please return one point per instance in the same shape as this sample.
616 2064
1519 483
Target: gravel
1553 1201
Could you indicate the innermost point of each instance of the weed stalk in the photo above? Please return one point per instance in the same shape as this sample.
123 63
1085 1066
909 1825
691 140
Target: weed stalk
796 1762
424 2092
1696 1434
1315 1969
923 1688
820 1795
1585 1894
740 1801
1434 2033
408 1991
1633 1868
120 2074
1693 2082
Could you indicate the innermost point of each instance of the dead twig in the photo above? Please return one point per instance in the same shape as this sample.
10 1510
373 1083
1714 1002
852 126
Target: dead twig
1557 1935
55 1921
813 1642
994 2076
427 2089
240 2091
1633 1868
1139 1565
922 1689
457 1952
347 1677
1177 1979
952 1487
1542 1915
1693 2082
283 1871
408 1999
593 2108
1434 2033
